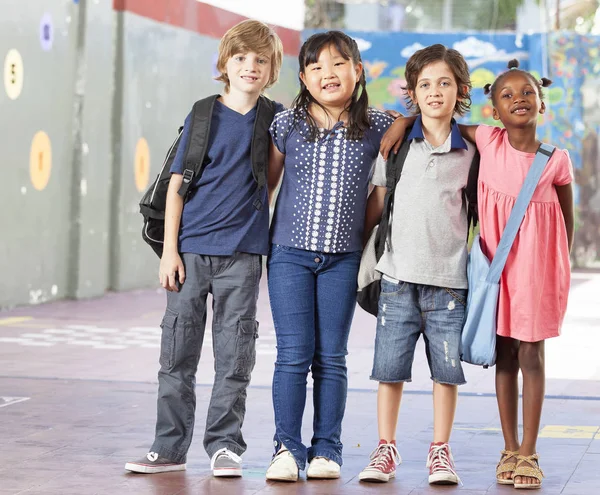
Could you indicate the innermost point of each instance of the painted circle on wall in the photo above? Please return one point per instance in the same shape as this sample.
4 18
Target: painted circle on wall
141 166
40 160
46 32
13 74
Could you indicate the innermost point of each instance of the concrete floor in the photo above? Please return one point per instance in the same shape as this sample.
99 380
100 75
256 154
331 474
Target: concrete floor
78 400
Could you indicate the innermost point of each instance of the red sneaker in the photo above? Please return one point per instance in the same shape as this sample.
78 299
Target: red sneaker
441 465
384 460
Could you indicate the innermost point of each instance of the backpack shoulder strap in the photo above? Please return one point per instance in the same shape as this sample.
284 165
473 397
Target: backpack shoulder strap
199 134
259 152
471 191
393 171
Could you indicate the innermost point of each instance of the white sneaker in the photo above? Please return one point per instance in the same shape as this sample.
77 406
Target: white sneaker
283 467
323 468
225 463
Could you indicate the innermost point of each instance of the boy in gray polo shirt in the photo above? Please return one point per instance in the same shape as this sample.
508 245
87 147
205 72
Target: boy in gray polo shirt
424 283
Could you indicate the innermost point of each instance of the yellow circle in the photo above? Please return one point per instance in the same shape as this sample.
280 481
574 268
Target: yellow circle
40 160
13 74
141 166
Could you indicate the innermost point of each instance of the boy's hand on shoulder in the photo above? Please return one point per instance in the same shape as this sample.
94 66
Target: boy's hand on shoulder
171 271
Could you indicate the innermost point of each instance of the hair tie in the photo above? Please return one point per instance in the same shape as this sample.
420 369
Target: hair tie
513 68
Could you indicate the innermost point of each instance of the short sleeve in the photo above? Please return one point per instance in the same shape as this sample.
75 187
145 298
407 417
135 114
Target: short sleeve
563 168
486 134
380 122
379 177
177 165
280 128
279 107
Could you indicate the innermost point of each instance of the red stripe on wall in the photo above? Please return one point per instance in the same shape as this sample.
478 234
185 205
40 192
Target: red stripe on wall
200 18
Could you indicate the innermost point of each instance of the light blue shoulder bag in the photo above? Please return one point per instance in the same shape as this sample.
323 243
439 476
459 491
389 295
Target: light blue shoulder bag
478 340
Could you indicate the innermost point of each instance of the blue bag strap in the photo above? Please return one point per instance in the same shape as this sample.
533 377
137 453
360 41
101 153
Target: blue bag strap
517 214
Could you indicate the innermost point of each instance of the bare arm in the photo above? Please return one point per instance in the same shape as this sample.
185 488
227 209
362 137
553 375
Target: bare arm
170 263
468 132
276 159
565 198
374 210
392 139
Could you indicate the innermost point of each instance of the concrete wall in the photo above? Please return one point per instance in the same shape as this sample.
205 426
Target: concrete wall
102 84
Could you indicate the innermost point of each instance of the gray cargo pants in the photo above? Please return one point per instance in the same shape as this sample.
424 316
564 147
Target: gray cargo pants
233 282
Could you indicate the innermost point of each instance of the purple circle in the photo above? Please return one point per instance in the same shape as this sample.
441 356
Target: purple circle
46 32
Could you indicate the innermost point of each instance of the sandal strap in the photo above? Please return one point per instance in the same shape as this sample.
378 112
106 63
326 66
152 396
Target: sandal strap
503 465
531 471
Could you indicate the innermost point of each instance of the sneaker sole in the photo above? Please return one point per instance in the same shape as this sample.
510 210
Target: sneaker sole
227 472
442 479
376 477
325 476
147 469
282 478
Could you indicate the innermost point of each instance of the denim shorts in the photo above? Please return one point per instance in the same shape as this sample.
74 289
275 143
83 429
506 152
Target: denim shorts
405 311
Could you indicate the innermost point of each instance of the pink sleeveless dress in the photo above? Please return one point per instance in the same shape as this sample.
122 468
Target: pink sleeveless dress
535 283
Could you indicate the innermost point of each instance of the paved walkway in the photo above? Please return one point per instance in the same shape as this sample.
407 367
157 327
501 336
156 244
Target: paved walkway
78 398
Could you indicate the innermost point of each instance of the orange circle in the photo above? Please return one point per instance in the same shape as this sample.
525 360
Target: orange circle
40 160
141 166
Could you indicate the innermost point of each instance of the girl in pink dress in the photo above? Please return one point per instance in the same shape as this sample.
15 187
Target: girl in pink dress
534 286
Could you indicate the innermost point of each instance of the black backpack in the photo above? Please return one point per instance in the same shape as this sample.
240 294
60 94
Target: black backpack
153 202
368 297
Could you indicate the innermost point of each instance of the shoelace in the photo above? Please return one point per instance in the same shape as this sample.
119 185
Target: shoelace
440 458
227 453
383 453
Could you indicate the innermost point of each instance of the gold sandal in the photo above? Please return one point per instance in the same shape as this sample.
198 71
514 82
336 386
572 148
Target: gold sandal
506 467
532 470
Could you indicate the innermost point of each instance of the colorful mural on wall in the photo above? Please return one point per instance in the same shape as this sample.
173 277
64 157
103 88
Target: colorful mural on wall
572 120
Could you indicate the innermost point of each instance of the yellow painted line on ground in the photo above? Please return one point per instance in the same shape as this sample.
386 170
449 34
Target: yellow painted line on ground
554 431
562 431
14 320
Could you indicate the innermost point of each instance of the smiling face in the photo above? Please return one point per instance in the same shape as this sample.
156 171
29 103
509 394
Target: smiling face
248 72
331 79
517 100
436 91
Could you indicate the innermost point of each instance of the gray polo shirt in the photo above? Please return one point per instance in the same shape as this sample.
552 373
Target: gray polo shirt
428 242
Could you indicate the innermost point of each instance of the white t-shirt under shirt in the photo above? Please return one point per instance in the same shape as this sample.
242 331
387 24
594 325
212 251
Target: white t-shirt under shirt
428 243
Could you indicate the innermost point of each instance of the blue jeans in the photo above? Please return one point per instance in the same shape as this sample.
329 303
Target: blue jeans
313 296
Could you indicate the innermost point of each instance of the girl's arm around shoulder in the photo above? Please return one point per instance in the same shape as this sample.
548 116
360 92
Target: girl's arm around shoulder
563 182
393 137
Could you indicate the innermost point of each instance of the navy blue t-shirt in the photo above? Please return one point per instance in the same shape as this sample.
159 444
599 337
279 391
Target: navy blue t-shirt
321 205
219 217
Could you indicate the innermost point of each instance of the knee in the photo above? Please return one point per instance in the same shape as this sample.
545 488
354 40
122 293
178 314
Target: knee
531 357
295 359
507 359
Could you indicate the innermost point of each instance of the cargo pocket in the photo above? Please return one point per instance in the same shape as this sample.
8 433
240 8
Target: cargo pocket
167 341
245 347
